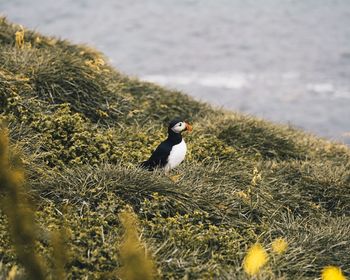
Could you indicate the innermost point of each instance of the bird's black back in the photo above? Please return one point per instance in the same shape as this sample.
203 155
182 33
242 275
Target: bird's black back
159 157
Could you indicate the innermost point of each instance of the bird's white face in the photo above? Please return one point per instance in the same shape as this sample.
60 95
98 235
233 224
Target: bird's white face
181 126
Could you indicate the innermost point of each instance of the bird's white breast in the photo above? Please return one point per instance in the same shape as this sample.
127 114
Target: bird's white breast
176 156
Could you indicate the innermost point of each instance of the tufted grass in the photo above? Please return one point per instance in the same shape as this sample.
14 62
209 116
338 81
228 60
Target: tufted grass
82 127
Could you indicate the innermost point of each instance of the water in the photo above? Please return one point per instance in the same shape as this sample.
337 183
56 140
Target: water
286 61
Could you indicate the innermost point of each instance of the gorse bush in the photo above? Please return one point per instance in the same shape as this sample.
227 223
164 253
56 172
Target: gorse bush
81 128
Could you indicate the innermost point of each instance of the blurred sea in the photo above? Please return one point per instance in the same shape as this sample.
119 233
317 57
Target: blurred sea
283 60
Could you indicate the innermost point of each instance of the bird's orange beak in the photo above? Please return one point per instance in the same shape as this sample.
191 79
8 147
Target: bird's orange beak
188 127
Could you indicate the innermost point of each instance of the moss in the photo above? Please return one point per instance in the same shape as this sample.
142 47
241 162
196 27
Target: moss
82 127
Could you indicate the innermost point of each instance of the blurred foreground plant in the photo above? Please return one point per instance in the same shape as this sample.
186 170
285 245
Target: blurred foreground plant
136 264
20 215
60 253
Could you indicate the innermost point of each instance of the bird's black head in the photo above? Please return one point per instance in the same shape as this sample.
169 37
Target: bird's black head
178 126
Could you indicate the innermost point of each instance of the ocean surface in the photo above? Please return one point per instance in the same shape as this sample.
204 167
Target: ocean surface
282 60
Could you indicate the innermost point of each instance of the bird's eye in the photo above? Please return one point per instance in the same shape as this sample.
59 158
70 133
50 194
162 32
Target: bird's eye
180 124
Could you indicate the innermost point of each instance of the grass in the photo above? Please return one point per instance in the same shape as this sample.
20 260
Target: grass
81 128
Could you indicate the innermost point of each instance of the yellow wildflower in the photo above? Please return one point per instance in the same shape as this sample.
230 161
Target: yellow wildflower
332 273
20 38
255 259
279 245
242 195
256 177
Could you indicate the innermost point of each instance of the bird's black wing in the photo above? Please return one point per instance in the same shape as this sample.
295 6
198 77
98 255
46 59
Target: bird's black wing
159 157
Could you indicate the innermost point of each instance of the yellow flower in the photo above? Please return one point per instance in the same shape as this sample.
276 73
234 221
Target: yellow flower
20 38
332 273
255 259
256 177
279 245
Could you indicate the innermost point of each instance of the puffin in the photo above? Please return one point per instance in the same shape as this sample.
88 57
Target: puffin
171 152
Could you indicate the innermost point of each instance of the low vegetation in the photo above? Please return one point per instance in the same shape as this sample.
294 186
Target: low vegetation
78 129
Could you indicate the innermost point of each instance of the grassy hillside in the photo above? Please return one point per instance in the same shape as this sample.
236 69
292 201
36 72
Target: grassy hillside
80 127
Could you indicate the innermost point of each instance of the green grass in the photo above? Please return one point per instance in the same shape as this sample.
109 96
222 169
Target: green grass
82 127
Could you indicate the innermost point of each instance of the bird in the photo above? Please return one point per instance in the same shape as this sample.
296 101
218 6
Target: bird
172 151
